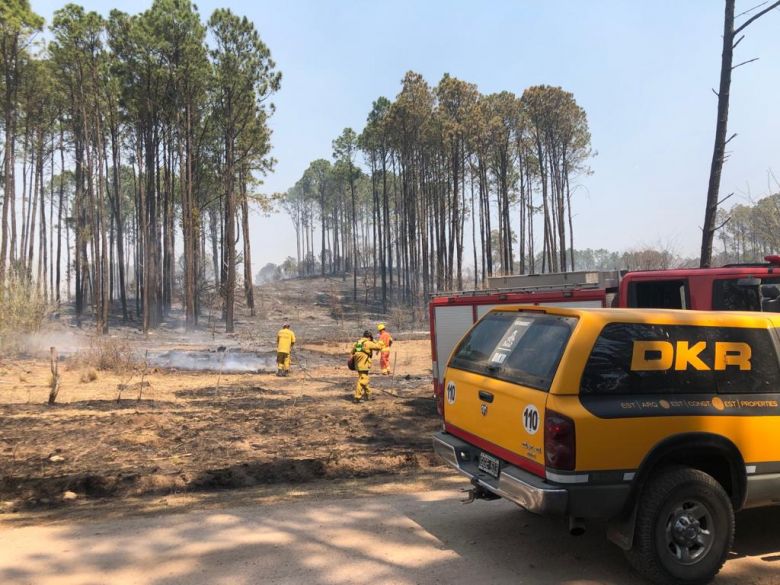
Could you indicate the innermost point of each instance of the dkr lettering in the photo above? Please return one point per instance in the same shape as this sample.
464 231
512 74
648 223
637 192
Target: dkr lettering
649 356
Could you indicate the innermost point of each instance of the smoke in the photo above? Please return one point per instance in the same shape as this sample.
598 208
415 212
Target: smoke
65 342
230 362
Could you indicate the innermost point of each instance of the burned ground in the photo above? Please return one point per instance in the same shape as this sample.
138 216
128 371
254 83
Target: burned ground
171 431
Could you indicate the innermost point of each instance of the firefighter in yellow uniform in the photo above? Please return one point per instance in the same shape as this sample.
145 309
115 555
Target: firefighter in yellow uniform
285 340
362 351
384 355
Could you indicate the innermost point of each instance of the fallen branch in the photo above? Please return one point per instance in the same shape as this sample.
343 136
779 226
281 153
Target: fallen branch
55 376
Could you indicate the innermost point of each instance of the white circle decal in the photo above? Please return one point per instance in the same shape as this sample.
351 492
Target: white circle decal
451 392
531 419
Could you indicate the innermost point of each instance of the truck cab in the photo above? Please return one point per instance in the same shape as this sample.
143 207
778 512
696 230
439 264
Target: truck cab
736 287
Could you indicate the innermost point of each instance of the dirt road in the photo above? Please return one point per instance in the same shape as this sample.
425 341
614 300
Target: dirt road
424 537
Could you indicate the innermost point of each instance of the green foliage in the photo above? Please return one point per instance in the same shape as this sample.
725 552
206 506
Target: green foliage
749 231
245 77
159 117
17 18
437 157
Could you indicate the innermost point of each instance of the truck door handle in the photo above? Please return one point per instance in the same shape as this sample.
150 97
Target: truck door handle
485 396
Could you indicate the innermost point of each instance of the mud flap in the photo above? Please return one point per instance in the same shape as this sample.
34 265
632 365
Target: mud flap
621 530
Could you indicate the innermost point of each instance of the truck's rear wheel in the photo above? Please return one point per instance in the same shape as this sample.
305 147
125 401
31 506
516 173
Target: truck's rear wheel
684 528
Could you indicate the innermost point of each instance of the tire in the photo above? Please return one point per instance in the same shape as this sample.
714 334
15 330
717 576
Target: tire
684 528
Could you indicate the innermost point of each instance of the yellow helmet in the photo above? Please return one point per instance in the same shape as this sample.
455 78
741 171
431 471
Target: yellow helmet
380 327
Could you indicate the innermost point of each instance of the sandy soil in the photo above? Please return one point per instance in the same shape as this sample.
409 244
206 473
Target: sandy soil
424 537
171 431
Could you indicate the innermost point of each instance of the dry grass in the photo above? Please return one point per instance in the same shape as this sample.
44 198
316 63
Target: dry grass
88 376
150 430
179 433
401 318
23 311
107 354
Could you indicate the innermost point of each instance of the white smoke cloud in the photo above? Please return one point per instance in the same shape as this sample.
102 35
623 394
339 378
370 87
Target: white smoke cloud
204 361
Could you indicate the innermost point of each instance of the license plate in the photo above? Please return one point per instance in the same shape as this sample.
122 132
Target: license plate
489 464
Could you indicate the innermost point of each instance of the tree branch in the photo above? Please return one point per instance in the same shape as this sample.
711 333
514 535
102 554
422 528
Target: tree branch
738 41
755 17
725 221
749 10
744 63
725 199
730 138
772 174
715 92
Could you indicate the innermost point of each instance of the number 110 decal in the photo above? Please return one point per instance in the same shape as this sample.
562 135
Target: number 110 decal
531 419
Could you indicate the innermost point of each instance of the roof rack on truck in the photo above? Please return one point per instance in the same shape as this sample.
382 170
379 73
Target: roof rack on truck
771 260
507 290
584 278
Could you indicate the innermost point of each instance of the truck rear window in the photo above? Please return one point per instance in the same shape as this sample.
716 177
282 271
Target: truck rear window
659 294
520 348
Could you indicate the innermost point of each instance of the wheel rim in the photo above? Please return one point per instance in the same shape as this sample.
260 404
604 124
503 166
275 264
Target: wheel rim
689 532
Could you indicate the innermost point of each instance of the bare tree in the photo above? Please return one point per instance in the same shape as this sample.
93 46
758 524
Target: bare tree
731 39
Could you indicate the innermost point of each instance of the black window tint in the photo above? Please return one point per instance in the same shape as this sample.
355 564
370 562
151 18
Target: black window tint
764 373
728 295
770 295
517 347
608 369
659 294
535 358
477 347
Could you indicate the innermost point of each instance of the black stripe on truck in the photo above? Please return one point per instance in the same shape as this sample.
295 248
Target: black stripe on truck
649 405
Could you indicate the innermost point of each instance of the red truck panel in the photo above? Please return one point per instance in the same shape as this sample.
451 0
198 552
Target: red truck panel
699 281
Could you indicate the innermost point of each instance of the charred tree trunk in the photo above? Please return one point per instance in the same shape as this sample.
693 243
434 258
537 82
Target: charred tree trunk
249 292
60 202
721 128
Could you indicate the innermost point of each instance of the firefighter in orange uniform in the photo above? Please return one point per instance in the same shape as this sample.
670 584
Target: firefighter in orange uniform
384 355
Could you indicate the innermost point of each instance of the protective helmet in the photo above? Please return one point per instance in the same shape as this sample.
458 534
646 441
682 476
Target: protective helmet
367 333
380 327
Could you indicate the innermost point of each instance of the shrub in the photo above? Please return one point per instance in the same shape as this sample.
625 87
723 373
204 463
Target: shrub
89 376
23 310
107 354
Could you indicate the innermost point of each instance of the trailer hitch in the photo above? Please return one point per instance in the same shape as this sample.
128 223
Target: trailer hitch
477 493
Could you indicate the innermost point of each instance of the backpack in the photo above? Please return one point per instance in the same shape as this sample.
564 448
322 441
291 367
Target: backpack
351 363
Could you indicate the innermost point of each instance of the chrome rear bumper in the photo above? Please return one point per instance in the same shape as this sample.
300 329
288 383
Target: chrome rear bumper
516 485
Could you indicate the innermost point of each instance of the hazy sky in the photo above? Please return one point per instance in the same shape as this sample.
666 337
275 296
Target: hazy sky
643 72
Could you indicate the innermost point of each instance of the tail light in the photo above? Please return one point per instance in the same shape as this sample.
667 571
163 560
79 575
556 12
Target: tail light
559 441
